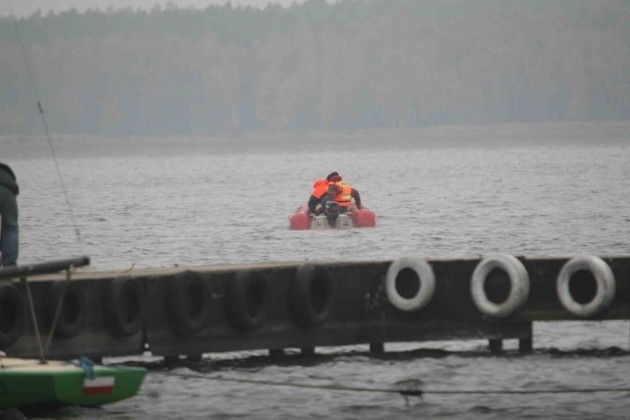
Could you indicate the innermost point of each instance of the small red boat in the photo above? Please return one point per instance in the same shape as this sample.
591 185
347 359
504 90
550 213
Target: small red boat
353 218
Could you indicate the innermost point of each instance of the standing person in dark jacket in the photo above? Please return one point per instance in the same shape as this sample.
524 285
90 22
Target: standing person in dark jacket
9 235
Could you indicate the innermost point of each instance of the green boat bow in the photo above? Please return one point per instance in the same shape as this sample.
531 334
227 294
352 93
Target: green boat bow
28 383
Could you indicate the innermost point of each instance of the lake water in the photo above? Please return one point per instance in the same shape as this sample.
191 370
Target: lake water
534 190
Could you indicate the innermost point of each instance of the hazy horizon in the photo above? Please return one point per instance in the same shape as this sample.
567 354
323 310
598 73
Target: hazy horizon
24 8
344 65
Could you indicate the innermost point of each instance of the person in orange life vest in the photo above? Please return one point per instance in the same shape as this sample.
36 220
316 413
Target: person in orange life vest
346 193
320 188
332 191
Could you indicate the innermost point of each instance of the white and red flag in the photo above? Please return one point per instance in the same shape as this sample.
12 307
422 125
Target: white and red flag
101 385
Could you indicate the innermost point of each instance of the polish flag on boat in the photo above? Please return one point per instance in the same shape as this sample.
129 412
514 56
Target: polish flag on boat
101 385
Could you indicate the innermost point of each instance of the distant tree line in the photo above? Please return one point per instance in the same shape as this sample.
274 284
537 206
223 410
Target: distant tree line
349 65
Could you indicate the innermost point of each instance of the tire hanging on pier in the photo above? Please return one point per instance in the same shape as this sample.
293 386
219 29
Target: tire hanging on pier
586 268
12 314
410 283
247 300
189 299
312 295
125 302
518 280
73 311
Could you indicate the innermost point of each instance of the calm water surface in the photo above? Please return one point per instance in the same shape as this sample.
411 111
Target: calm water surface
539 190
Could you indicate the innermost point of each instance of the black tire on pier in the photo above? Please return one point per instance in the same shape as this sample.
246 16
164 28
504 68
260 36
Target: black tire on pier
188 301
312 295
248 299
125 302
12 314
73 312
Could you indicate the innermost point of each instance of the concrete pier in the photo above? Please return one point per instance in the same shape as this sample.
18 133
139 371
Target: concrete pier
188 311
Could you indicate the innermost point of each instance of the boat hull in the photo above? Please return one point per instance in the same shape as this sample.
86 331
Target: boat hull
302 219
27 384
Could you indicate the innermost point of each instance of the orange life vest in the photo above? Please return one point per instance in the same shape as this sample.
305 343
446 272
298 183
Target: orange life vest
319 188
345 195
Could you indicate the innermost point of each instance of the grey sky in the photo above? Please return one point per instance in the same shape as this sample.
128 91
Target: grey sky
28 7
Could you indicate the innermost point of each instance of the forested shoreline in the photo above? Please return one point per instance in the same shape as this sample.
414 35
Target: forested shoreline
351 65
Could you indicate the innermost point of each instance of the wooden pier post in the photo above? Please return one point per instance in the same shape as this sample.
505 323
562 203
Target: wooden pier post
377 348
496 346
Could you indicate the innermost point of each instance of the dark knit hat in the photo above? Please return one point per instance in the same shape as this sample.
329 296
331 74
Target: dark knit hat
333 174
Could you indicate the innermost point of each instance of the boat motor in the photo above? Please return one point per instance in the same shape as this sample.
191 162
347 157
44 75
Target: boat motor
331 208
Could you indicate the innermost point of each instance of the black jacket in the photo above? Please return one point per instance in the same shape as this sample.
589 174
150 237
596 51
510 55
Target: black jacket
314 201
357 198
8 179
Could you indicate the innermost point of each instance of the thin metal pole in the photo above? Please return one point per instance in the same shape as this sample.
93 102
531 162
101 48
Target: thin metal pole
58 311
42 357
